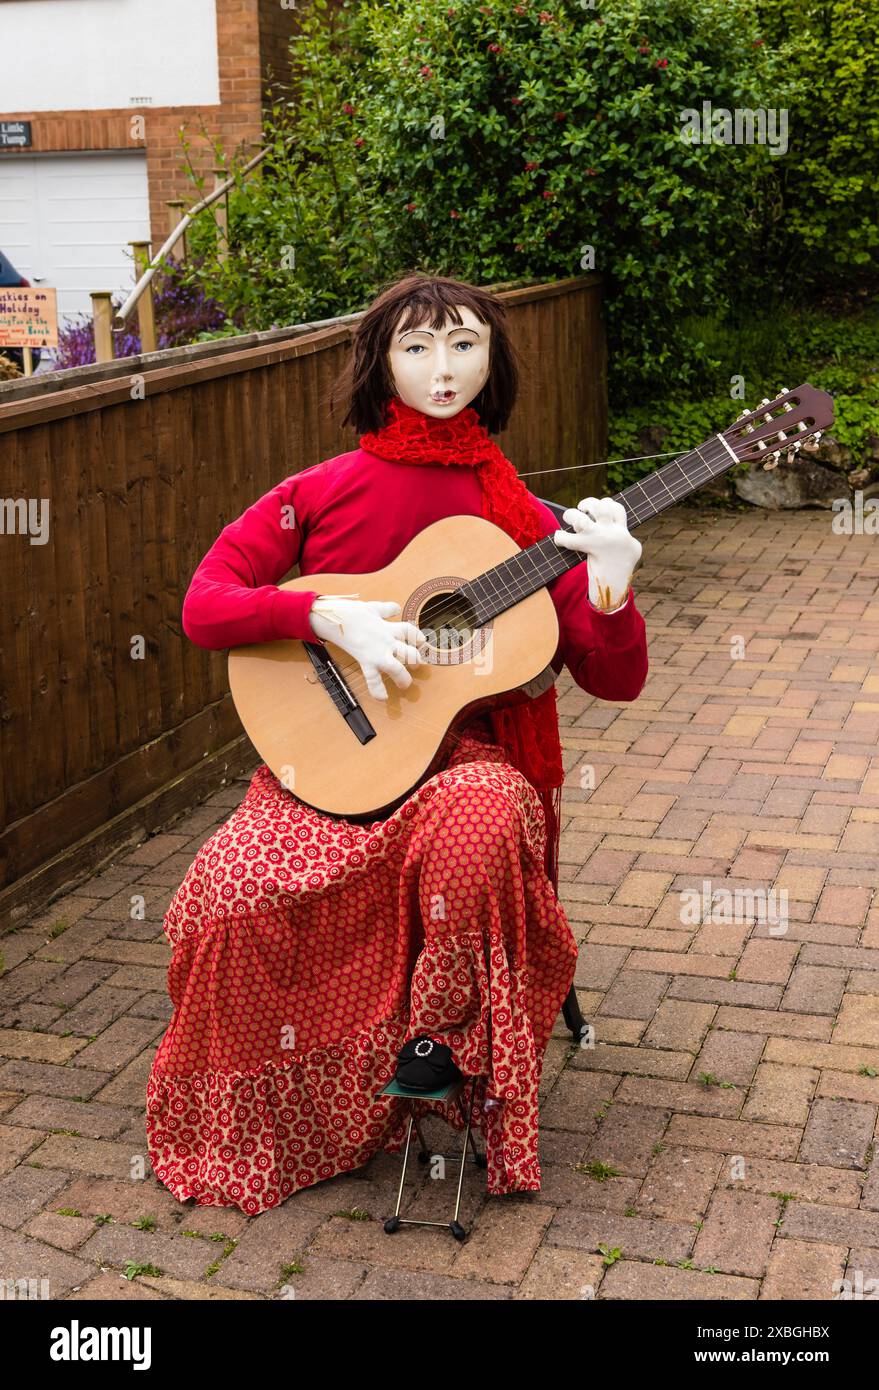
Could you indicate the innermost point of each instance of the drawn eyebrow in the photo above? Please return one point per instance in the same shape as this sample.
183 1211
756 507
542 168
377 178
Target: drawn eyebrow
457 329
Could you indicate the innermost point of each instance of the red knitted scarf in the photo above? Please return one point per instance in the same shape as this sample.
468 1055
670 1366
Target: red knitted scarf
528 733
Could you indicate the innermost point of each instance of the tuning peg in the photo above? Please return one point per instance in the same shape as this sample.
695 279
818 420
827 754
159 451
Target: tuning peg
770 463
785 391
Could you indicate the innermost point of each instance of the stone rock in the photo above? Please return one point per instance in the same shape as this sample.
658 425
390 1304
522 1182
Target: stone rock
833 454
803 483
859 476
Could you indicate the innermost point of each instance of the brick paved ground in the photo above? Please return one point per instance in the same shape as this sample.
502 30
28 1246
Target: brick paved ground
719 1135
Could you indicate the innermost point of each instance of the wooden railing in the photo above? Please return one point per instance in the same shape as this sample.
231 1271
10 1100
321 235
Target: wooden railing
106 323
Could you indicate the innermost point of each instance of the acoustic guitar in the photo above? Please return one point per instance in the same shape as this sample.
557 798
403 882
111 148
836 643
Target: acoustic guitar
491 625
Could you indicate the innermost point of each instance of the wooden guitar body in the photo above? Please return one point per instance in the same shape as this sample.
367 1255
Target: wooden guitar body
299 730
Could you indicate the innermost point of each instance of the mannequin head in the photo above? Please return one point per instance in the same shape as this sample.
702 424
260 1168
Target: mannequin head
437 343
438 368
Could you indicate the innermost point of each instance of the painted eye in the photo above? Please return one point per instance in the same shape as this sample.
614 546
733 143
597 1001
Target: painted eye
464 343
416 347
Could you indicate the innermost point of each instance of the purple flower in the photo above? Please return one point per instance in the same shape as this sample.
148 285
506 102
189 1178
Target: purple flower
182 311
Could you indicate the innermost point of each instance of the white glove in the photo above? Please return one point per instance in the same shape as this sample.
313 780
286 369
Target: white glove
361 629
601 531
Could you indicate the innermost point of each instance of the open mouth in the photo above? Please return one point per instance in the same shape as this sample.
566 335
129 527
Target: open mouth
441 397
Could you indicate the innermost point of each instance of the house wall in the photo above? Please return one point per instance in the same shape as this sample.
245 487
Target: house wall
128 75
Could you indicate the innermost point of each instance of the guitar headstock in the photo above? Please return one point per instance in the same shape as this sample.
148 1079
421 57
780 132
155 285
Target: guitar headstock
781 426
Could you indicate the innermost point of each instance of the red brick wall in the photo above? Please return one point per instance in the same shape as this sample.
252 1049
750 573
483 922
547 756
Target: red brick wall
247 32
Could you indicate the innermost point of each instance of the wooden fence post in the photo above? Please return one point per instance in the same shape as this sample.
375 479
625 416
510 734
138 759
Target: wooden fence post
221 215
102 314
145 316
175 215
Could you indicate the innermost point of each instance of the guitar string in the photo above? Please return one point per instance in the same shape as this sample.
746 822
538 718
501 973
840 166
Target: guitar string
522 586
419 720
604 463
691 481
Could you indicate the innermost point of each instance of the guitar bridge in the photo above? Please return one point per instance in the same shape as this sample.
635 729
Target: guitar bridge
337 688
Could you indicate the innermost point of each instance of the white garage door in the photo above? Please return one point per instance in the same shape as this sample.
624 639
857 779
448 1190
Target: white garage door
66 220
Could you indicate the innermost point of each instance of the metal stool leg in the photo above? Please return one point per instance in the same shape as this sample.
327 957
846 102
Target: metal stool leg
424 1152
393 1222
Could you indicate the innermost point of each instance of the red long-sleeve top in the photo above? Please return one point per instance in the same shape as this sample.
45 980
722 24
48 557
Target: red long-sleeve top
354 514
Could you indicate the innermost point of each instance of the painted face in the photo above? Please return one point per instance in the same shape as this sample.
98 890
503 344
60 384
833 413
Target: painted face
441 370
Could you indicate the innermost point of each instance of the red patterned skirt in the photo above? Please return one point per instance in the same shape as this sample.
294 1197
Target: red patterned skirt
306 950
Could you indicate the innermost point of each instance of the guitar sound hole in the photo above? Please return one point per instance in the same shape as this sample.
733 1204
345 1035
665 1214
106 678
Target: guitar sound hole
448 620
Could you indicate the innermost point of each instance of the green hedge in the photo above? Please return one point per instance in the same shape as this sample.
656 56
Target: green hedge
827 193
837 355
501 141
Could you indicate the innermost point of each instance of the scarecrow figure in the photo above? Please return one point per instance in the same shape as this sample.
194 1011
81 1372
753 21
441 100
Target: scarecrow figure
309 949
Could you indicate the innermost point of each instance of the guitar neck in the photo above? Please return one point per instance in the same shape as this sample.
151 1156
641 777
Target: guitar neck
676 480
536 566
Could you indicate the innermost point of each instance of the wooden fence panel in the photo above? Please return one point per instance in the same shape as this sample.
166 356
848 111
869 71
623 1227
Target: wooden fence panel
142 471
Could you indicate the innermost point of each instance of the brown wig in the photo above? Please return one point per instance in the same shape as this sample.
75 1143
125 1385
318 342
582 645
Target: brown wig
366 383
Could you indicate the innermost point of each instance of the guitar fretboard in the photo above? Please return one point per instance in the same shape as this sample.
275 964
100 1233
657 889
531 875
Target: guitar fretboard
537 565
